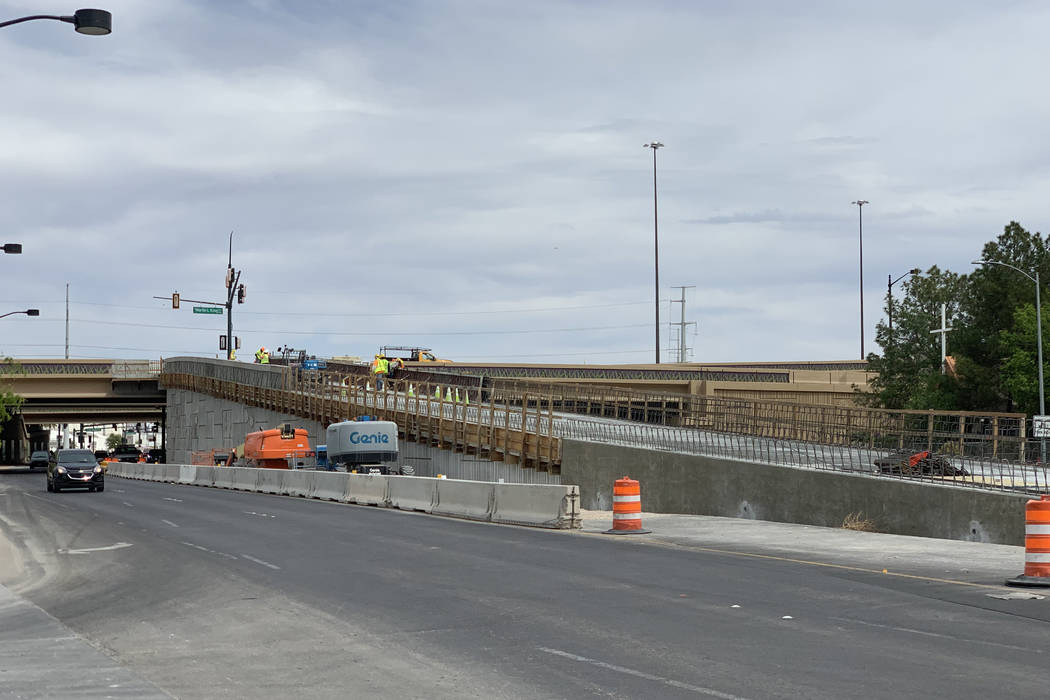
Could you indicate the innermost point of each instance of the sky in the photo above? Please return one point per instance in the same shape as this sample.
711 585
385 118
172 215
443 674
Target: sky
470 176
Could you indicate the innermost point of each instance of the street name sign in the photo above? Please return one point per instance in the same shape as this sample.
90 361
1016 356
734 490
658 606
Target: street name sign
207 309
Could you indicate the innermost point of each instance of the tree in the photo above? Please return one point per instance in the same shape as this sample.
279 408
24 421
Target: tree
114 440
10 402
908 373
993 342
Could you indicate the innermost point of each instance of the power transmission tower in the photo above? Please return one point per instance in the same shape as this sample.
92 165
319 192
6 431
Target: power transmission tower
683 350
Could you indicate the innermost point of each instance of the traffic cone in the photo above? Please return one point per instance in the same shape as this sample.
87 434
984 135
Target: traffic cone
457 394
437 392
448 394
411 391
466 397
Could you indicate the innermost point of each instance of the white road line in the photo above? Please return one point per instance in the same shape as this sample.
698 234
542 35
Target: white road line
642 674
261 515
88 550
937 635
129 505
209 551
168 522
177 500
45 500
260 561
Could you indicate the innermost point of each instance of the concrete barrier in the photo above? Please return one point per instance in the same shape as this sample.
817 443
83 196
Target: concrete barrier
169 473
224 477
473 500
367 489
270 480
298 483
329 486
116 469
417 493
187 474
244 478
205 475
539 505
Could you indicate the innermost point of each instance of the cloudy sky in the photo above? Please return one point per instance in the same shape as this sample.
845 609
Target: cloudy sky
470 175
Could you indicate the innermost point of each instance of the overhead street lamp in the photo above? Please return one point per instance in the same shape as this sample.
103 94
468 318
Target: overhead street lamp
12 248
93 22
860 213
656 245
889 294
27 312
1038 333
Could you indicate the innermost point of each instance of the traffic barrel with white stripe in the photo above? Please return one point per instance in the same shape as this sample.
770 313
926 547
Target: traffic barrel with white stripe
627 508
1036 544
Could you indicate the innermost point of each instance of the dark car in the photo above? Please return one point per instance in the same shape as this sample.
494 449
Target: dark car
101 455
75 469
127 453
39 459
155 455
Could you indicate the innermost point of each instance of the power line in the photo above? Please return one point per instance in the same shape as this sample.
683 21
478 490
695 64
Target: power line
366 334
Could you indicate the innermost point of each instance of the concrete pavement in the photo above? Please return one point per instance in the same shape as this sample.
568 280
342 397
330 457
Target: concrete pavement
889 555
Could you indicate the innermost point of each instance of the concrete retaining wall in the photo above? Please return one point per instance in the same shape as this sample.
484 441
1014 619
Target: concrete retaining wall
202 422
677 483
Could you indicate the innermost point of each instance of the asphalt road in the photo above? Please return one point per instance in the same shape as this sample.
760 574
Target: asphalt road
212 593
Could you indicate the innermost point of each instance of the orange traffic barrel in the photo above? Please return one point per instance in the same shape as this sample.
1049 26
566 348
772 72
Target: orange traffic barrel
1036 544
627 508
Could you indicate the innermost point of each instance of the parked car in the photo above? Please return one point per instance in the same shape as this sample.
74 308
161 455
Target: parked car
155 455
39 459
101 455
127 453
75 469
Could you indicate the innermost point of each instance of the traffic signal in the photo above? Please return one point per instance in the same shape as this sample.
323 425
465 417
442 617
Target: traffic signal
222 342
237 342
175 300
229 277
240 294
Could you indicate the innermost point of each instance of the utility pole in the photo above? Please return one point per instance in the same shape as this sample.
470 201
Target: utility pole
943 330
682 349
67 320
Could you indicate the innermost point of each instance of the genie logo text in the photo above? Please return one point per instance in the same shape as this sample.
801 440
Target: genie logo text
357 438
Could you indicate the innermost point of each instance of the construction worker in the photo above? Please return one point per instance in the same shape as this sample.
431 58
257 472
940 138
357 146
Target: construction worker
262 357
233 355
380 367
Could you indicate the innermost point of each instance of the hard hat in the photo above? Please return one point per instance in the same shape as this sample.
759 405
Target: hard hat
262 349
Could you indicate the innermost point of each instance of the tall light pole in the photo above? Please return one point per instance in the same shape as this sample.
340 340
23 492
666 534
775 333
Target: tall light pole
1038 333
860 213
93 22
656 245
889 294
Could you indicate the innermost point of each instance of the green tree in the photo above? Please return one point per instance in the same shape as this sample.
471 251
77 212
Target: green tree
10 402
114 440
908 373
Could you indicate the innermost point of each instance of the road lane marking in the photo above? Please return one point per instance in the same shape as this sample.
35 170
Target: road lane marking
938 635
260 561
88 550
209 551
129 505
168 522
809 562
261 515
45 500
177 500
642 674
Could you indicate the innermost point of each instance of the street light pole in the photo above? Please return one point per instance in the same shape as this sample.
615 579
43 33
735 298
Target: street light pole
889 294
860 222
1039 337
93 22
27 312
656 246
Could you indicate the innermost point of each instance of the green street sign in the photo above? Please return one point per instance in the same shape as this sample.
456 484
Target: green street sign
207 309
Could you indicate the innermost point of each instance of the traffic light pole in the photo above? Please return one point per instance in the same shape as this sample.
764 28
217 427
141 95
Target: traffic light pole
234 291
